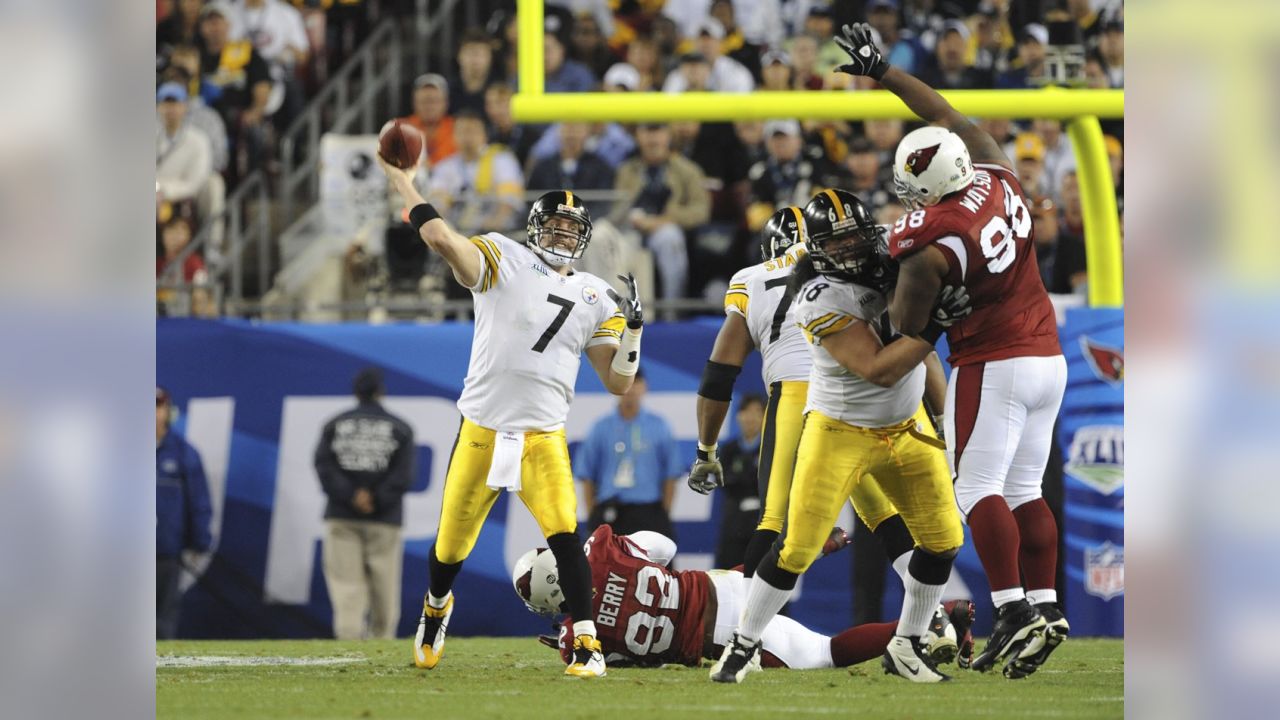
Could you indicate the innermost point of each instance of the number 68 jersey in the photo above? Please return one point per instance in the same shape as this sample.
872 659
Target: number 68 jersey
532 326
758 294
985 232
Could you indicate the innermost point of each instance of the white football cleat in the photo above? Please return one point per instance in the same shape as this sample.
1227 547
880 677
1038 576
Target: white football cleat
588 658
909 658
428 644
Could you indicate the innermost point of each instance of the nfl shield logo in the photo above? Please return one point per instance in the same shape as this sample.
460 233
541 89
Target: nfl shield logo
1104 570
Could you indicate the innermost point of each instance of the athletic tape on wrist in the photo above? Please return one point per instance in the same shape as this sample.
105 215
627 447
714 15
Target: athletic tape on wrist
627 360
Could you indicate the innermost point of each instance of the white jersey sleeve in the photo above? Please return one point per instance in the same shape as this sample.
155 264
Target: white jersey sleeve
532 326
825 307
758 294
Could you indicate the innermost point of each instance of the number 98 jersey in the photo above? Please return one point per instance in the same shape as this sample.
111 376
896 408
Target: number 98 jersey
643 612
757 293
985 233
532 326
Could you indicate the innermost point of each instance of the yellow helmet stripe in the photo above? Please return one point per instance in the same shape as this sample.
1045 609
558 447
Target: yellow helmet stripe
568 198
835 201
799 215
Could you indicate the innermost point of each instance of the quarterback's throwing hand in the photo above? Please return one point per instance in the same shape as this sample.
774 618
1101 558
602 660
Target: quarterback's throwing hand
864 55
629 306
706 474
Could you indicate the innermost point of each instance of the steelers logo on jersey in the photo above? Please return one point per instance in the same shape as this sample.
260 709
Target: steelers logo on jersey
590 296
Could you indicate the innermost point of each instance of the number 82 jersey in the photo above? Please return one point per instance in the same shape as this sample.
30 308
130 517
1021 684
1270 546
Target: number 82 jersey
758 294
986 235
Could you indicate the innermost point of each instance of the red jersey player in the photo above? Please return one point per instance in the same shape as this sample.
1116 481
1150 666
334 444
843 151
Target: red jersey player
968 231
648 615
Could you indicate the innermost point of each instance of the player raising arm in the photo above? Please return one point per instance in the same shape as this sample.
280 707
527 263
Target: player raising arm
968 226
535 316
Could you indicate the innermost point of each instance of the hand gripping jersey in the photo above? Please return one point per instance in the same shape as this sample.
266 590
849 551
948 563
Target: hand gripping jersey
758 294
824 307
532 325
644 613
986 235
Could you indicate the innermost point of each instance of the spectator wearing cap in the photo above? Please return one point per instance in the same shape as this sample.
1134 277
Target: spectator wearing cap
609 141
480 187
365 463
239 79
992 39
278 34
735 44
574 167
1111 49
727 74
519 138
949 68
804 64
475 71
786 176
868 178
431 117
1028 157
820 25
199 114
663 195
1030 65
904 51
184 155
775 70
562 74
183 514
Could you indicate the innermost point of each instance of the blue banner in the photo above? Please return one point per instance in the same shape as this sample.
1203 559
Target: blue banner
253 398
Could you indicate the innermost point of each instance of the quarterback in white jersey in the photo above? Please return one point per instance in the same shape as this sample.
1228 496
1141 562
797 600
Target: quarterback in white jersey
535 316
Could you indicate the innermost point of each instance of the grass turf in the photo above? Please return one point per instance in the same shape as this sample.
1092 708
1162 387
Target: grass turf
517 677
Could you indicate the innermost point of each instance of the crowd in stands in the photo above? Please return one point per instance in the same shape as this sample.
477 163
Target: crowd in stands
693 195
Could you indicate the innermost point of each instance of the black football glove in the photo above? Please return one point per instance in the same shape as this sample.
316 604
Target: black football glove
864 55
630 305
706 474
952 307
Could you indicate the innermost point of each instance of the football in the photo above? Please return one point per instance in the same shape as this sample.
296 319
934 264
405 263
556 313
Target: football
400 144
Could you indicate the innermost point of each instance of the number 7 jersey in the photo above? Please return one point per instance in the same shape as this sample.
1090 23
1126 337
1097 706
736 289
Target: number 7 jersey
985 233
757 293
532 326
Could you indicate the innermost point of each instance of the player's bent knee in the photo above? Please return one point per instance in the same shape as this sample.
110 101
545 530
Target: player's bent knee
1016 500
450 552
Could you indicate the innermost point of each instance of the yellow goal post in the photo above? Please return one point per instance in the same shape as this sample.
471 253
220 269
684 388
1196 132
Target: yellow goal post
1080 108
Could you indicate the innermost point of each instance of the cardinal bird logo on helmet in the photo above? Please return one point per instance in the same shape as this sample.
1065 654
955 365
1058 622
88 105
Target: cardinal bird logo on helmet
1107 362
918 161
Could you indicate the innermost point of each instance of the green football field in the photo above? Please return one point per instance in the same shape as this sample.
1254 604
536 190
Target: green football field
518 678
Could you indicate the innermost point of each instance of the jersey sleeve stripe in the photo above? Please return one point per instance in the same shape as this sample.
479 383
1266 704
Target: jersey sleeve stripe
491 257
809 326
736 302
738 286
833 327
612 327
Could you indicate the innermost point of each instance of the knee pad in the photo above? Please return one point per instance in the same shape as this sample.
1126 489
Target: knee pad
894 536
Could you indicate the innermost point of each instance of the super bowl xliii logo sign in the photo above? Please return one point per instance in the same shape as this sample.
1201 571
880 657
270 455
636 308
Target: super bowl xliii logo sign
918 161
1096 457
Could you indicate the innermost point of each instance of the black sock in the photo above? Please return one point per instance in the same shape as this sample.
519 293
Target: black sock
761 541
442 574
894 537
575 574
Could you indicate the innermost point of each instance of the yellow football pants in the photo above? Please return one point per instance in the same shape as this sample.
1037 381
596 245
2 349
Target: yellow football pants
780 437
546 488
836 459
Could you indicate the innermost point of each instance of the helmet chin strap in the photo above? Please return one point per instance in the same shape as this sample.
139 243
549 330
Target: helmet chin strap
551 258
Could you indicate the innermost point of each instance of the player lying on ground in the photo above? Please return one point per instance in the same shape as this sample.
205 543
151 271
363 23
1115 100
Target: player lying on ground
759 313
648 615
968 226
535 316
860 421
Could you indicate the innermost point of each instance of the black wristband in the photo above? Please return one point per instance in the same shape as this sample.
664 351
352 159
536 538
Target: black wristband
877 72
421 215
703 455
932 332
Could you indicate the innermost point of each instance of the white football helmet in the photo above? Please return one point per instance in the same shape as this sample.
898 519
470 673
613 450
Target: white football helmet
930 163
537 582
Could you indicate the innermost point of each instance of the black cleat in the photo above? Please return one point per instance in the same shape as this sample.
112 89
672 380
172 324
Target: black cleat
962 614
1016 624
1037 651
908 658
739 659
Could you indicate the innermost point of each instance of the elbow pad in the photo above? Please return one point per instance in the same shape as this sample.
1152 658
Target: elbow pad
717 381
